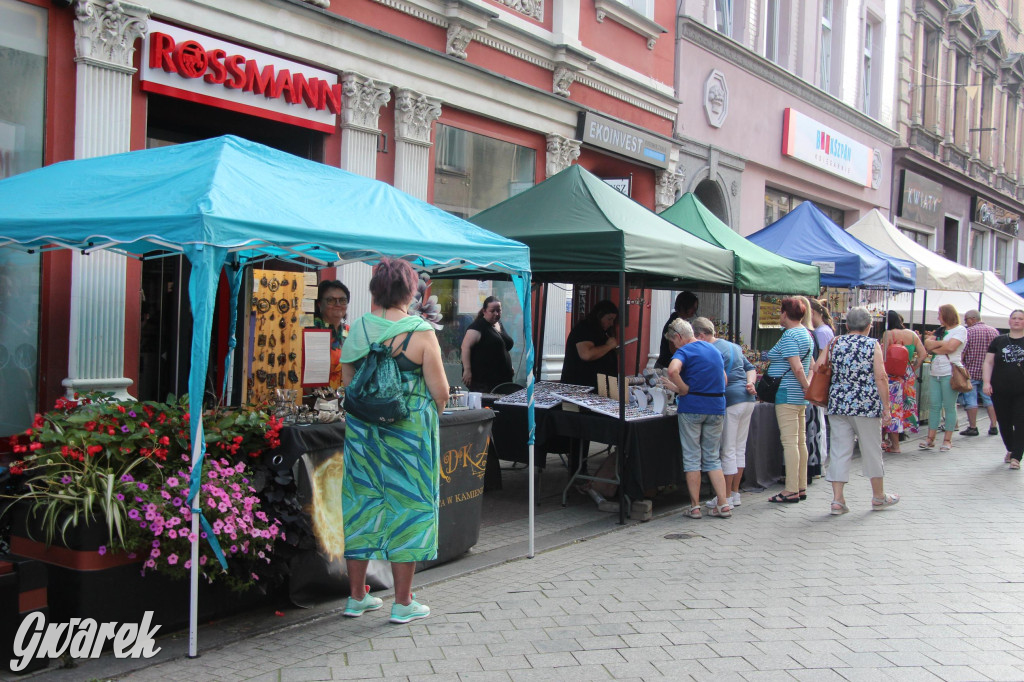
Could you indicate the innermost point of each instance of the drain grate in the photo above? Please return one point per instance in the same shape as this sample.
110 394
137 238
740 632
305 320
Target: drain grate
682 536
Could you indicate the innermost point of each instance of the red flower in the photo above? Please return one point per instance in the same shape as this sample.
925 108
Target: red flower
17 468
165 440
90 426
111 431
38 422
35 446
94 450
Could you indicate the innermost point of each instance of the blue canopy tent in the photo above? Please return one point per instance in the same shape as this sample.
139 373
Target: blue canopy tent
806 235
229 201
1017 287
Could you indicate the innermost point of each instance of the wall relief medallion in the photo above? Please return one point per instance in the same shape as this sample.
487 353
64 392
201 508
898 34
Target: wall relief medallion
716 98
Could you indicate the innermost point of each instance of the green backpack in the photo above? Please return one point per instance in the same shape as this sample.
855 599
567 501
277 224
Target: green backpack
376 394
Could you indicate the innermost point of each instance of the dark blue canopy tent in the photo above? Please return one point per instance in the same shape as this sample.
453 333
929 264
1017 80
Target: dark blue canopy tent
806 235
1017 287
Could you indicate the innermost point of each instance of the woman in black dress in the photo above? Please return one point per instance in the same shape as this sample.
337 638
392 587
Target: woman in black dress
485 359
590 348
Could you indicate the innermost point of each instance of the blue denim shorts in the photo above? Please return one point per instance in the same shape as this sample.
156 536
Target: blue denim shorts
701 438
973 397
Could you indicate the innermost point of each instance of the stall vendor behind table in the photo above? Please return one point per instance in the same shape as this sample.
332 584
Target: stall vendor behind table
590 348
332 313
485 358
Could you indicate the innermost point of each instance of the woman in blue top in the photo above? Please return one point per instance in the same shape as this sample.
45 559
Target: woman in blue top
739 406
791 360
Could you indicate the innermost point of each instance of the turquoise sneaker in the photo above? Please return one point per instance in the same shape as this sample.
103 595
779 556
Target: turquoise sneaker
401 613
356 607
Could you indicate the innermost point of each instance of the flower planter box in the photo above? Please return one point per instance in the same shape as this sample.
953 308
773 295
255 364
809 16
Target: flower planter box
111 587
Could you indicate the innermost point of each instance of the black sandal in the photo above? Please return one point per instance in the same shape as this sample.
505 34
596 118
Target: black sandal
803 494
787 499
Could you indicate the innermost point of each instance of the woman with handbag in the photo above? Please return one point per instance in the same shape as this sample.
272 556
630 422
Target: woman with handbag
858 405
391 490
902 385
1002 378
787 373
946 346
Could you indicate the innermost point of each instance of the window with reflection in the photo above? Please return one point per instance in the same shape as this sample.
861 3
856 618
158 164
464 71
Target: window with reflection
23 75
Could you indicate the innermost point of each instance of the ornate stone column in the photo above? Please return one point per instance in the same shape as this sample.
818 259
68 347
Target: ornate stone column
415 114
668 188
105 35
561 153
362 99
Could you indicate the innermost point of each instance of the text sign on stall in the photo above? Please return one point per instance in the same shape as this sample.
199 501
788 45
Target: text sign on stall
818 145
199 68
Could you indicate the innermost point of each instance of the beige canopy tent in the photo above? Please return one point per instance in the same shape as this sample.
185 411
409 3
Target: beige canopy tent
997 302
934 272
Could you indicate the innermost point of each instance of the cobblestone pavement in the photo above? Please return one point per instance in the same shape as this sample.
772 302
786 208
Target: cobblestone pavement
928 590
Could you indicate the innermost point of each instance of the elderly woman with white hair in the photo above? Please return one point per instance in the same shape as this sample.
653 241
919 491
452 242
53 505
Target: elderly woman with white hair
858 405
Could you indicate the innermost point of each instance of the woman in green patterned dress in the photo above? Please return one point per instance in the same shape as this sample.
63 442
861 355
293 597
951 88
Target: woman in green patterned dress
391 487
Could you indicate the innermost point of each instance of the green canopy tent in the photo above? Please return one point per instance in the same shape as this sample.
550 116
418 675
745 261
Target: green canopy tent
579 229
758 270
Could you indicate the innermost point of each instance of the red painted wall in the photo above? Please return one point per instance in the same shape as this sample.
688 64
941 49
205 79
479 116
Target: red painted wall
392 21
55 285
605 166
628 47
611 106
503 63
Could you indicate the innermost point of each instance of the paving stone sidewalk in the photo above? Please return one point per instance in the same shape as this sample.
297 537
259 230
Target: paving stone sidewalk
930 589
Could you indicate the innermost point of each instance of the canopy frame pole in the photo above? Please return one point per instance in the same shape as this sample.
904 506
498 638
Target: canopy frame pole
754 321
980 293
620 460
732 313
542 312
639 325
924 310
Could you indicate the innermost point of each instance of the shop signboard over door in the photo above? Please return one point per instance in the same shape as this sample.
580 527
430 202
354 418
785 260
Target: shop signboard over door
624 140
180 63
818 145
921 200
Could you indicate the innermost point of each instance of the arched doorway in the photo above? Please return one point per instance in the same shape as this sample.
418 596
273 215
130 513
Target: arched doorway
710 194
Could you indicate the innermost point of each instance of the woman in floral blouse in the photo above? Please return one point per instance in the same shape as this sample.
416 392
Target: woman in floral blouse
858 404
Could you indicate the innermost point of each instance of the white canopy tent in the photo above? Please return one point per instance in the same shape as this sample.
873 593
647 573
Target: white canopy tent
934 272
997 302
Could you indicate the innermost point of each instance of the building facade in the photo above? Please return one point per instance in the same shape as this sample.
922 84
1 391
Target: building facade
957 174
782 102
462 103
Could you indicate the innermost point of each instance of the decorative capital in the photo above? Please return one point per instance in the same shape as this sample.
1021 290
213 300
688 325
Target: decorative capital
363 98
669 188
106 31
459 37
561 153
319 3
415 114
561 80
531 8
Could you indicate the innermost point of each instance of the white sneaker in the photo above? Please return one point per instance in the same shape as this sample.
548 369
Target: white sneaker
735 499
712 503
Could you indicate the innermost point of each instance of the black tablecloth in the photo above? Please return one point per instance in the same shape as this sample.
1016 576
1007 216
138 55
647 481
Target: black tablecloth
313 457
653 451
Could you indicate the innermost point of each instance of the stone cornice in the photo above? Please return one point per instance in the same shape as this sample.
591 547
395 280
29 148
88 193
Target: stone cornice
764 69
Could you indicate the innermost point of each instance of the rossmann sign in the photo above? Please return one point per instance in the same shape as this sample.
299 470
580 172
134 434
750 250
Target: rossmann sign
816 144
188 65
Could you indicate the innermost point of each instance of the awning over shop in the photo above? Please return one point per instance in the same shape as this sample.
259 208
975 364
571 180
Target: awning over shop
997 302
933 271
805 234
578 226
757 270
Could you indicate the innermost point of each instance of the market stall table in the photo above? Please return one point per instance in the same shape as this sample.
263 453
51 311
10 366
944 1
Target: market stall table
310 464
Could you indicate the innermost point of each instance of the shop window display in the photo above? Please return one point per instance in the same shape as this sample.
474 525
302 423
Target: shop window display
23 74
471 173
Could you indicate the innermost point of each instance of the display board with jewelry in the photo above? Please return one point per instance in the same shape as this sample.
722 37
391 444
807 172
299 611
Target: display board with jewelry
278 311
